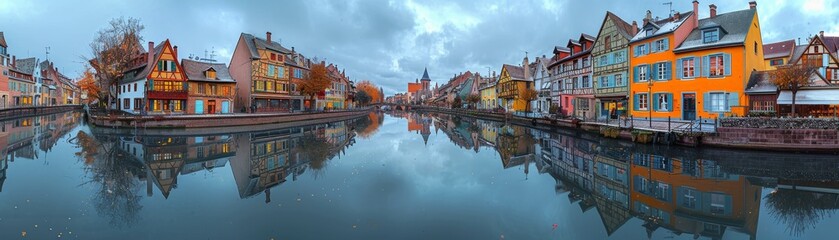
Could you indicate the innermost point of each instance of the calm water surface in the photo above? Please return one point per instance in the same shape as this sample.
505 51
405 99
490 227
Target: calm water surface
398 176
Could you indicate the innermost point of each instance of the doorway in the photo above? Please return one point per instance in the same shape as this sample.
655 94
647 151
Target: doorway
689 106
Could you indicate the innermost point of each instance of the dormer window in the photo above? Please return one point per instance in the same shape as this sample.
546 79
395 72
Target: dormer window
711 35
210 74
649 31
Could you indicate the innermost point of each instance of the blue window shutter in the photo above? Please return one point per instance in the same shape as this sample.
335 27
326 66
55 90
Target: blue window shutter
706 70
666 44
635 51
612 80
728 205
654 74
654 100
635 102
668 70
670 102
611 58
679 67
727 63
635 73
825 60
706 102
654 47
733 99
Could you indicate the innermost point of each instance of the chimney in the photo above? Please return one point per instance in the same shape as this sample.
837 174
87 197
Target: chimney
713 11
752 5
150 54
268 37
14 61
293 52
695 14
821 34
634 28
648 17
676 16
175 49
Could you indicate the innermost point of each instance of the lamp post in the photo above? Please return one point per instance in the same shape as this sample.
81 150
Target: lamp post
649 100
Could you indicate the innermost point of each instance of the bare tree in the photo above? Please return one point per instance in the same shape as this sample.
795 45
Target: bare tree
114 50
529 96
473 100
792 78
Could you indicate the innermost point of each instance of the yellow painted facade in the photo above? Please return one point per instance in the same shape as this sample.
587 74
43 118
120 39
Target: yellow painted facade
510 91
489 98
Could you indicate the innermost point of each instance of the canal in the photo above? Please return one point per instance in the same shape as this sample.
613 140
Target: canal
398 175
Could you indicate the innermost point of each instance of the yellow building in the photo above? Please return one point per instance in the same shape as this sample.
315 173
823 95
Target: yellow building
776 54
489 97
512 85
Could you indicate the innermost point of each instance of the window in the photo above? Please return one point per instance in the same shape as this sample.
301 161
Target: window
271 71
641 50
178 105
643 102
718 101
662 71
137 103
608 42
298 73
166 66
663 102
619 57
755 48
604 61
586 82
225 90
273 57
135 87
619 80
126 103
260 86
269 86
710 36
201 88
776 62
582 104
642 73
816 48
604 81
688 68
718 203
586 62
280 71
834 74
210 74
660 45
689 198
167 86
716 66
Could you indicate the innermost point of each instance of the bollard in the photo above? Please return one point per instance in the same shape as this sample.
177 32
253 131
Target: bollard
631 121
668 123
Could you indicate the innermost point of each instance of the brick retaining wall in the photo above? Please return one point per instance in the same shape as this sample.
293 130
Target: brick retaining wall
775 139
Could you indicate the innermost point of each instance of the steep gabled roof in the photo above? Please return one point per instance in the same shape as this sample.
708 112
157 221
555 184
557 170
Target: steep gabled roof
778 49
195 71
142 71
735 24
26 65
516 72
254 44
625 29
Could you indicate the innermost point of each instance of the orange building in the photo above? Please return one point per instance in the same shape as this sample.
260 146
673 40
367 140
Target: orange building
705 73
157 83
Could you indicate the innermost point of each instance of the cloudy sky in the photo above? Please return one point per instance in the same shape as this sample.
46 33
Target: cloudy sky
387 42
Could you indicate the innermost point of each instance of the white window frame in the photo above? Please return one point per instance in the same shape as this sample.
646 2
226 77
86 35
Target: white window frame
718 105
688 70
719 66
643 103
662 102
642 74
662 71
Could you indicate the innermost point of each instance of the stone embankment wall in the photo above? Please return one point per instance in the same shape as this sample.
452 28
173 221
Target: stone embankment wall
19 112
204 121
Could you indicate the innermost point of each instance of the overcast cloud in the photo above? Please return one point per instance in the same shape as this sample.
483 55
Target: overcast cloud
387 42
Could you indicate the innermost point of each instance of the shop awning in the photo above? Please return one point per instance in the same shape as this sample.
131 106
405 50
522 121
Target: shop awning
811 97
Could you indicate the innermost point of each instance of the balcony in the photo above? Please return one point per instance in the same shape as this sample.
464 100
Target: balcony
166 94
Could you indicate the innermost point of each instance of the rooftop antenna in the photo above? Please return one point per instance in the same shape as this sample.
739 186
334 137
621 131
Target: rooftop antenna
48 52
671 8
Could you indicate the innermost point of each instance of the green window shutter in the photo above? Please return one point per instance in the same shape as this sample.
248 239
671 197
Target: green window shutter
151 85
727 62
160 65
173 66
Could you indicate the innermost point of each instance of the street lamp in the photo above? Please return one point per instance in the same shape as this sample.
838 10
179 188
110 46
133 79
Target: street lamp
649 100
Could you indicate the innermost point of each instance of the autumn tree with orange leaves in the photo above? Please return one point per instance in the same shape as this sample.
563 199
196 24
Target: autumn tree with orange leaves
371 89
87 83
315 83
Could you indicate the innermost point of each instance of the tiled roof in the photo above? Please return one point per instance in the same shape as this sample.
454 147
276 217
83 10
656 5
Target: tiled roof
735 24
255 43
141 71
663 26
778 49
26 65
195 71
3 40
516 72
759 82
624 28
832 43
797 53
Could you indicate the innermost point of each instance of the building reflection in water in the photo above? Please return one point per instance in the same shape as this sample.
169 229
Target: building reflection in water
684 191
19 138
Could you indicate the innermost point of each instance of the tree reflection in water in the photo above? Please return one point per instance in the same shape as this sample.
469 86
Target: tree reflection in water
114 176
800 210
